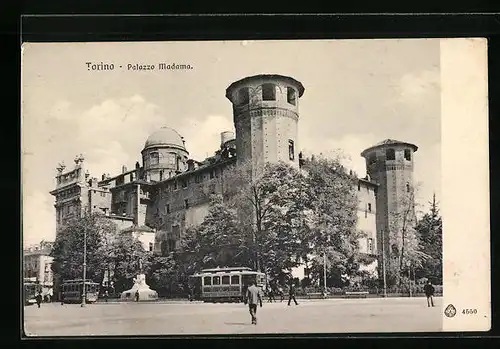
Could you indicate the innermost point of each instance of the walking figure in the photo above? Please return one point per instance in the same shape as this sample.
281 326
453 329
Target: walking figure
270 295
61 296
281 293
106 295
39 299
291 294
429 293
137 296
253 297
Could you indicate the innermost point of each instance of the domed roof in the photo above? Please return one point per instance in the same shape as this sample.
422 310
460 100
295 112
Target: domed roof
165 136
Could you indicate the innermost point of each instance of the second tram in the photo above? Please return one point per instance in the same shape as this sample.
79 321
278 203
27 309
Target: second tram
72 291
224 284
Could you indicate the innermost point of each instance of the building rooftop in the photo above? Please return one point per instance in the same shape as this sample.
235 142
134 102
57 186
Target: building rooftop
387 142
167 137
291 80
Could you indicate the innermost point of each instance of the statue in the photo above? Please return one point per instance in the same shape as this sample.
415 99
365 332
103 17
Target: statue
60 167
140 291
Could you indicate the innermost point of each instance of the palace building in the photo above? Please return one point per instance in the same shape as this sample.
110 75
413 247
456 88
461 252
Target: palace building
168 191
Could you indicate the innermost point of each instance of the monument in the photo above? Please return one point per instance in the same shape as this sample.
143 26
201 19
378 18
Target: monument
140 292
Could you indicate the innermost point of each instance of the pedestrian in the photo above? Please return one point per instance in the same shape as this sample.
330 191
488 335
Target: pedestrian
106 295
137 296
291 294
270 295
253 297
429 293
61 296
39 299
281 293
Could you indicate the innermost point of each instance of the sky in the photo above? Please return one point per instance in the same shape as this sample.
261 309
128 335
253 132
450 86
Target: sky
357 93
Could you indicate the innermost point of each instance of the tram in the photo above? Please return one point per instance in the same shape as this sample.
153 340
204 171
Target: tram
30 290
72 291
224 284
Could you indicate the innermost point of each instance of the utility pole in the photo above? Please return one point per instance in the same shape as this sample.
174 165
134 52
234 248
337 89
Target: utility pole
383 265
324 270
84 293
409 276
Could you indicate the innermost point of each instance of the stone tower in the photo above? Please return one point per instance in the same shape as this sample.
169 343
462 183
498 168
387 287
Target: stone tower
266 114
390 164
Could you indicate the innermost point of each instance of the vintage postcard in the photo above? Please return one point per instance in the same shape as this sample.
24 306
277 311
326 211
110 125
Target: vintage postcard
250 187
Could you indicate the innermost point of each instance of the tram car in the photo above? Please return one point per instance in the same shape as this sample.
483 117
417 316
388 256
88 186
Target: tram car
72 291
31 289
223 285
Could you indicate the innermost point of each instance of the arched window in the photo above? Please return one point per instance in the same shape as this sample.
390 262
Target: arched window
291 95
408 154
268 92
390 154
154 158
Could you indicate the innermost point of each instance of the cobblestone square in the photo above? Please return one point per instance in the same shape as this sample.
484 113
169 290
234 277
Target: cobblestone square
183 318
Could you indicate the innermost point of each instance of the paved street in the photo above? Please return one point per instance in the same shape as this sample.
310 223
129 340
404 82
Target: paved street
310 316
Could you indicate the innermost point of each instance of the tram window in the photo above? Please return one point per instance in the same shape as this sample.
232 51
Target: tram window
207 281
235 280
216 280
225 280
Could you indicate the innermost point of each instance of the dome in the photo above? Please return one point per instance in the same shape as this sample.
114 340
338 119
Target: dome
165 136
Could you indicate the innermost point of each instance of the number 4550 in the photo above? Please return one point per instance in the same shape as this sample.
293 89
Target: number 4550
469 311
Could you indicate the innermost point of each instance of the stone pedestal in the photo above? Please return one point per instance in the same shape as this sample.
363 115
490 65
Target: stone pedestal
140 289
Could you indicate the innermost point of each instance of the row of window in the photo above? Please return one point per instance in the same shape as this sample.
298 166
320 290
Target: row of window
390 154
170 159
68 193
221 280
268 94
68 176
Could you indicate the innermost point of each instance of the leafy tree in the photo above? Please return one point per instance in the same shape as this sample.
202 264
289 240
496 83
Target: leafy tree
430 228
404 253
332 218
68 248
217 241
108 251
270 203
127 257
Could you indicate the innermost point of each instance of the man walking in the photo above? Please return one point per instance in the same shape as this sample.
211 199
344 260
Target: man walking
291 294
253 297
39 299
429 293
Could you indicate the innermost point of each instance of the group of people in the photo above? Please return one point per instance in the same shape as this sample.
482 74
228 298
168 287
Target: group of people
255 294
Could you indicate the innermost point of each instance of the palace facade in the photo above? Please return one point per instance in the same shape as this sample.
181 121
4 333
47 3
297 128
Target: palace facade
167 191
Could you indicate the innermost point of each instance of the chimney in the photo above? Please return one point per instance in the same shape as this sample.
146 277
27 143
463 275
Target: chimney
226 136
190 163
124 169
103 177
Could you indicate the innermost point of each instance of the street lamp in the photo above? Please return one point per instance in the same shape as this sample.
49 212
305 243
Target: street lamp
84 293
409 275
324 264
383 265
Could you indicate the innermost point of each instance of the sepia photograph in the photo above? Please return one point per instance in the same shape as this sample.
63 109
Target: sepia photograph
254 187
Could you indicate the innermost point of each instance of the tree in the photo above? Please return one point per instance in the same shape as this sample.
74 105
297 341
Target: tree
108 251
430 228
269 203
217 242
332 217
127 257
69 248
404 253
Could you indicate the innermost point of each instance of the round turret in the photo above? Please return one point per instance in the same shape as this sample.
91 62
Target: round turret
164 154
265 114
